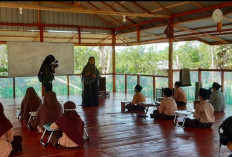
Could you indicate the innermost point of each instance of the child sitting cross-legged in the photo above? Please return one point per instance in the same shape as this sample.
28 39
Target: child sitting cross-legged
204 113
137 98
167 107
72 126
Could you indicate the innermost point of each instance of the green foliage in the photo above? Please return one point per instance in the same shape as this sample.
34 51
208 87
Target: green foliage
81 56
138 59
3 60
193 55
147 59
223 56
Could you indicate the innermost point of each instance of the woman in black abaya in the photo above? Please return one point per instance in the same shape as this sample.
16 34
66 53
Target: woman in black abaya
90 82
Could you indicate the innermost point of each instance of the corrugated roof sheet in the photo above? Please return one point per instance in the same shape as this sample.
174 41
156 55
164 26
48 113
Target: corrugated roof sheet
13 23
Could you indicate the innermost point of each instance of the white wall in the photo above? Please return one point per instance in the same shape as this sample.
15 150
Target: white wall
25 58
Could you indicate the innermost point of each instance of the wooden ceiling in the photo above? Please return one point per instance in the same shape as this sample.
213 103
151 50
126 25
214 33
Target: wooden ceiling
102 22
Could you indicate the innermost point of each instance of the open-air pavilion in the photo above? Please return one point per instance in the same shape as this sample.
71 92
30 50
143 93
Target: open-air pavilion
119 23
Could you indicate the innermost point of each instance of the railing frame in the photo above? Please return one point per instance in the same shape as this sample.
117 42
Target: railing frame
138 78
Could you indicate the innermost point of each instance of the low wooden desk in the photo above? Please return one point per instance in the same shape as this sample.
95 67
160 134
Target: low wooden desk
147 105
123 105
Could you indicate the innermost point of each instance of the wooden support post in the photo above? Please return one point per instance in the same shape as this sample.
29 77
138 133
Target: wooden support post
113 60
13 87
41 33
79 35
170 71
68 83
222 80
138 79
154 90
138 34
170 57
125 83
41 40
199 75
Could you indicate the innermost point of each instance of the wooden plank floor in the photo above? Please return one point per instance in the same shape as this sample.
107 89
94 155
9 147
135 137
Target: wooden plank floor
116 134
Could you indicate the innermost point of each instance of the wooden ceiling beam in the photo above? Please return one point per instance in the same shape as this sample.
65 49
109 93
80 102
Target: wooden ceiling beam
139 24
203 33
128 10
166 40
161 6
57 3
160 19
123 40
53 38
227 18
200 6
53 25
226 4
37 37
100 18
128 18
120 23
198 29
181 22
78 10
108 6
219 43
149 42
193 31
140 7
77 3
105 39
172 6
92 44
114 5
75 36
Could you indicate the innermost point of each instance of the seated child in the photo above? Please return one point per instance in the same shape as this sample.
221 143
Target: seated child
72 126
217 98
225 134
8 143
137 98
179 95
48 112
167 107
204 113
30 103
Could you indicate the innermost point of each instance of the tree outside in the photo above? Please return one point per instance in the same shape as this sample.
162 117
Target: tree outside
150 59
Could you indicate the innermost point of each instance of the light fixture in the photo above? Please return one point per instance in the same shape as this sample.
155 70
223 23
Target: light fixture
21 11
124 18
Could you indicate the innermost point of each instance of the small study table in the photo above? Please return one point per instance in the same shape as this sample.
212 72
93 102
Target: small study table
182 112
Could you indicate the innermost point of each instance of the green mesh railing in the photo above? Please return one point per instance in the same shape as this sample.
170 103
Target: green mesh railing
75 86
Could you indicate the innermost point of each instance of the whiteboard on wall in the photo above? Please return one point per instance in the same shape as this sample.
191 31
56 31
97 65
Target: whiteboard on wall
25 58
